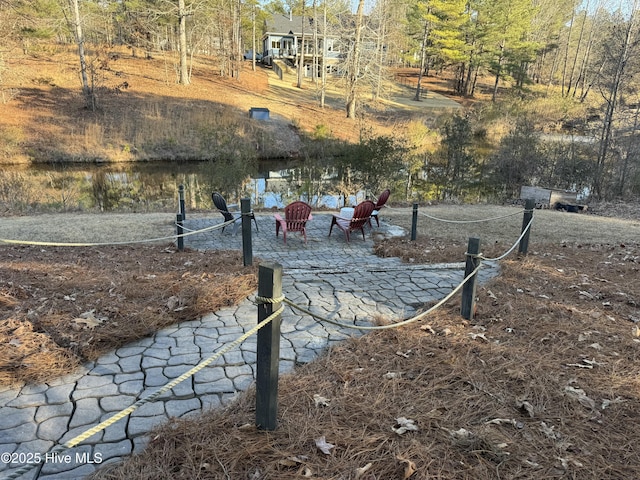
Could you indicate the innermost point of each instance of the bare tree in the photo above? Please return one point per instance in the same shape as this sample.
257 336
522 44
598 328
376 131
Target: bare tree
79 37
619 53
300 52
182 36
353 68
323 88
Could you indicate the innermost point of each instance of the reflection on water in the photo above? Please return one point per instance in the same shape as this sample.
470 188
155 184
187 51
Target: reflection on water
154 186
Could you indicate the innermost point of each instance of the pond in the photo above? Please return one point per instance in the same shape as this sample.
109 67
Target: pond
153 186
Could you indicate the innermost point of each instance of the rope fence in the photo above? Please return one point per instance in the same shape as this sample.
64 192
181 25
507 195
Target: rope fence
270 303
125 242
444 220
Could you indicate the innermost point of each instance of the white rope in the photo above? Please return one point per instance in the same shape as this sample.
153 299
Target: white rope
463 221
103 244
470 221
391 325
524 231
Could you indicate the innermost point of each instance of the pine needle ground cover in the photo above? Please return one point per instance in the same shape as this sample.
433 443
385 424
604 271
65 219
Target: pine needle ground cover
542 383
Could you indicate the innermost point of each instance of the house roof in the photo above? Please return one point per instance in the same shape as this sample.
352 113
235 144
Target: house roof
282 24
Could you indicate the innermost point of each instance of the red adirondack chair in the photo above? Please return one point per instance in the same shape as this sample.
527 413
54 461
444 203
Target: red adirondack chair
361 215
296 216
382 199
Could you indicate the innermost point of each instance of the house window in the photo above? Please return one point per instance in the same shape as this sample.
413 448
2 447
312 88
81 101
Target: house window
329 45
275 44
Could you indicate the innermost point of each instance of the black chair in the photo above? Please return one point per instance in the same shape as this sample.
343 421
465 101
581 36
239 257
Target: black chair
221 205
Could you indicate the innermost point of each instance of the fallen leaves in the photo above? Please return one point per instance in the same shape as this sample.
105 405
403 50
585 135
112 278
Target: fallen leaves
362 470
320 401
324 446
580 395
404 425
88 320
409 467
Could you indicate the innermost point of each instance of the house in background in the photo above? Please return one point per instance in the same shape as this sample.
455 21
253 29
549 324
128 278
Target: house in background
282 40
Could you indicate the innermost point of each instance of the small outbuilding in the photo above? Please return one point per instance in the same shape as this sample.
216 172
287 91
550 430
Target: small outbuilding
552 198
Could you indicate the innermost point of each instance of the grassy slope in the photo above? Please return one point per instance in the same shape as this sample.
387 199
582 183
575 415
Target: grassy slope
143 114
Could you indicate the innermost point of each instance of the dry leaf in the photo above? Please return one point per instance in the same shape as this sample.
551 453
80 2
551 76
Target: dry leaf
324 446
391 375
478 335
290 462
606 403
320 401
405 354
173 302
409 467
526 406
460 434
361 471
89 320
548 431
581 396
429 329
404 425
500 421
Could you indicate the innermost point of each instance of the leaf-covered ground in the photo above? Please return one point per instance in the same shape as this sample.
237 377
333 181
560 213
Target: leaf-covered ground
543 383
60 306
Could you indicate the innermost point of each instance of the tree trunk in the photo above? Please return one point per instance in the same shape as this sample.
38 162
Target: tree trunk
301 51
498 73
77 27
380 46
423 60
566 54
182 32
253 37
605 135
314 73
352 76
575 57
323 89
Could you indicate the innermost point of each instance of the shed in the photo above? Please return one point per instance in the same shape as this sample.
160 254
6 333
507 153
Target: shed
259 113
547 196
552 198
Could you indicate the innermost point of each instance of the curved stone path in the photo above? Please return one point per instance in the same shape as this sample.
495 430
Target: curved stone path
340 280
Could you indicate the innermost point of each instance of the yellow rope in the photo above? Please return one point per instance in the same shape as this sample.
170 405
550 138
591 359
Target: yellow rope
103 244
262 300
391 325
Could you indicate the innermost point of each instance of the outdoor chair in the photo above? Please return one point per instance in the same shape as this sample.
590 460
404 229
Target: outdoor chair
296 216
221 204
382 199
361 216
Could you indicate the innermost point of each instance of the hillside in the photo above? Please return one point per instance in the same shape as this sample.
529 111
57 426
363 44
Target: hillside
143 114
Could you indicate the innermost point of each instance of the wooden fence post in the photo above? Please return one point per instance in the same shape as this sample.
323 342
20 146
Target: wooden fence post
268 356
529 205
247 245
181 201
468 306
414 223
179 232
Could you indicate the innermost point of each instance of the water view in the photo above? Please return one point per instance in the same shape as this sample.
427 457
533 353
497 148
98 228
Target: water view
140 187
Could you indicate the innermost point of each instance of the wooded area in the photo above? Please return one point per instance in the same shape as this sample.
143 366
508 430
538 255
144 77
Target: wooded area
586 54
